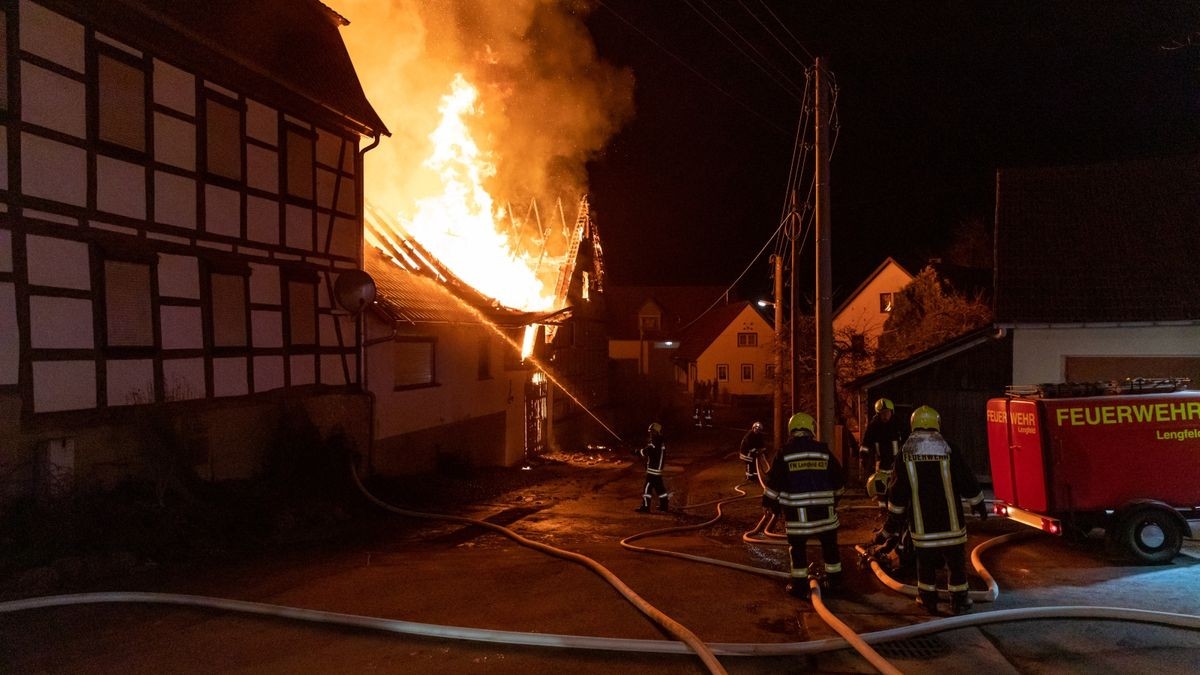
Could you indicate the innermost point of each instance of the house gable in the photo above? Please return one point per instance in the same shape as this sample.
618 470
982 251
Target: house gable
868 307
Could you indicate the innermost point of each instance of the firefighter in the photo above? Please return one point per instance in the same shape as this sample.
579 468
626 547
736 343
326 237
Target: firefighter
804 483
753 445
881 440
654 451
925 495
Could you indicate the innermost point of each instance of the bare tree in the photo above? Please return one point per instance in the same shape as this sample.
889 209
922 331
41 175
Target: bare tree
927 314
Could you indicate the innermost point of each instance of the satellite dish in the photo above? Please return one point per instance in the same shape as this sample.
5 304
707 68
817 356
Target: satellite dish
354 290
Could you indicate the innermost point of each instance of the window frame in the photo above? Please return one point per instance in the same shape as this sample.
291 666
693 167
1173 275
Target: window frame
887 302
286 131
432 341
747 339
114 55
722 372
306 278
743 369
232 269
211 97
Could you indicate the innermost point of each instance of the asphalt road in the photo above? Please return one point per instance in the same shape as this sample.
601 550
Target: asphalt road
444 573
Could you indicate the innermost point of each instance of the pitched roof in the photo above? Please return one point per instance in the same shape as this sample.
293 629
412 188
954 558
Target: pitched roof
700 335
680 306
866 282
1098 243
285 51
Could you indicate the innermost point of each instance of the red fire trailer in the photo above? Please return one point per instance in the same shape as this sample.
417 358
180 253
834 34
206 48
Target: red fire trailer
1125 457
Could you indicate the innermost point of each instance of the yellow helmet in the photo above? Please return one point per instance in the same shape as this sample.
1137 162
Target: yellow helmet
925 418
884 403
878 482
655 428
802 422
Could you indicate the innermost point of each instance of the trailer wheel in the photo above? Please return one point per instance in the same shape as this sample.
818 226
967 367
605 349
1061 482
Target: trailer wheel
1151 535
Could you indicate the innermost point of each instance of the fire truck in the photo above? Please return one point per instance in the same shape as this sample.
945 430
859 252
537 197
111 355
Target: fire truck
1123 456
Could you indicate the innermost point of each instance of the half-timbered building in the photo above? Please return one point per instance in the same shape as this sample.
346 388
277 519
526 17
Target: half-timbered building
181 186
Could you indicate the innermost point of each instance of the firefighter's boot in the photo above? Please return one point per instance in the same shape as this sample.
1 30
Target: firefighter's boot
797 588
645 507
960 602
662 503
928 600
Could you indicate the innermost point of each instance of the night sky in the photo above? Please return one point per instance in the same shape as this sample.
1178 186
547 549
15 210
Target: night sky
933 98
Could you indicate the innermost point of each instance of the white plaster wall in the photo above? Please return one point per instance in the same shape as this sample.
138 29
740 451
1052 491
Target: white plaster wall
329 145
331 369
181 327
299 227
623 349
10 346
222 211
862 314
264 284
262 122
178 276
63 385
174 141
183 379
6 250
229 377
174 200
4 161
51 36
327 331
53 101
130 381
262 168
53 170
174 88
303 369
120 187
725 350
266 328
60 323
325 183
61 263
268 373
1039 354
262 220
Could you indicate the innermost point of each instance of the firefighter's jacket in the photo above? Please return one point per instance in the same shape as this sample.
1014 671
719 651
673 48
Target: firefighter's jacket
655 451
752 445
804 482
929 480
884 439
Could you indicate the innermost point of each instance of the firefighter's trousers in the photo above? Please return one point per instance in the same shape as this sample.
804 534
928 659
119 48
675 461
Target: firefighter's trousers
654 485
932 559
829 554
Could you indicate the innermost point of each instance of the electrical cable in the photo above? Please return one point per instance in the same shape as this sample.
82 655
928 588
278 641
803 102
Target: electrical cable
787 30
790 87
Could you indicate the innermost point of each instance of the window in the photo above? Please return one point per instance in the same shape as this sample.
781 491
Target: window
223 139
747 372
485 359
747 339
414 362
299 149
722 372
121 103
302 312
127 304
228 309
770 371
887 301
649 321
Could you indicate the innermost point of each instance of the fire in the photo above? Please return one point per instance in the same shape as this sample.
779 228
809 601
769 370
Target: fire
458 224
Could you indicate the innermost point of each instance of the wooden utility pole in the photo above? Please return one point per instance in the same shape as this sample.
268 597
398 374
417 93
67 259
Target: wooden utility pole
793 233
825 367
777 428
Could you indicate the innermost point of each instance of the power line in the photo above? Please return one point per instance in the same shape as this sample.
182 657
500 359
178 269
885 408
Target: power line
772 34
786 29
695 72
789 87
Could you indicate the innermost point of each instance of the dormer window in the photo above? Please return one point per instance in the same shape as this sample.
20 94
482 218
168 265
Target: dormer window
649 322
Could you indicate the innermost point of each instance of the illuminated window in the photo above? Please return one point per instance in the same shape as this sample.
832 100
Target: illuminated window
887 301
228 302
302 312
121 103
747 339
747 372
414 362
722 372
127 304
223 139
649 321
299 150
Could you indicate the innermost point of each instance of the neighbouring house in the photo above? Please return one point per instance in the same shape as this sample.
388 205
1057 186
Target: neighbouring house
733 345
181 190
865 310
1094 281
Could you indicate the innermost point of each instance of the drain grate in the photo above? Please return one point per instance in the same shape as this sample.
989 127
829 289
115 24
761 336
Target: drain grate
923 647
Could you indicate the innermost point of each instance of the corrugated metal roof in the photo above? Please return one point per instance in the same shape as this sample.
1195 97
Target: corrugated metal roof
1100 243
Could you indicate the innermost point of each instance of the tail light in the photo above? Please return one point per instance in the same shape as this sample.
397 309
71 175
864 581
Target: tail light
1000 509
